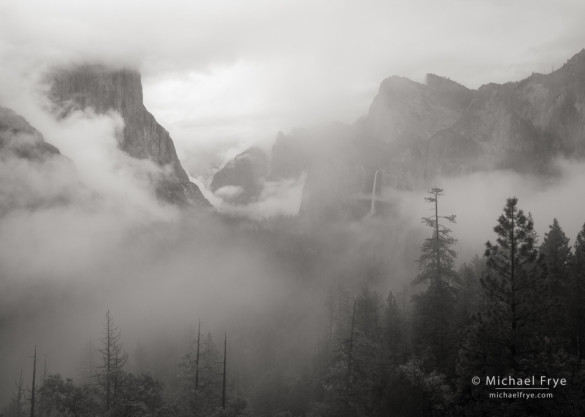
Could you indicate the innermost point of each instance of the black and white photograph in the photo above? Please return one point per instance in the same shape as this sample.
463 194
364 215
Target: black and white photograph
292 208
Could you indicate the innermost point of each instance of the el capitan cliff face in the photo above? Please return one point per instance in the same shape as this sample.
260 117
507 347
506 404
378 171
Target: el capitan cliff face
103 90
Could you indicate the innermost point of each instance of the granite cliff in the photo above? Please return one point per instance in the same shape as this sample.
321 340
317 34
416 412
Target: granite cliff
103 90
18 138
244 174
33 173
414 132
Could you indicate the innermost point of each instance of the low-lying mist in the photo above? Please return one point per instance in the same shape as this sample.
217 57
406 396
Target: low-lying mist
87 235
478 199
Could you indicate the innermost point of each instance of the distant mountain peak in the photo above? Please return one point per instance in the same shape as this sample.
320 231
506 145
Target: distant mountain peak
415 132
440 82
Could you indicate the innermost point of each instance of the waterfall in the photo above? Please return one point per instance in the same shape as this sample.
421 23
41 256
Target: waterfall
373 204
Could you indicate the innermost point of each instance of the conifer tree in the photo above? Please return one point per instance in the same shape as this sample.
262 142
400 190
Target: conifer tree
556 258
200 379
437 257
354 378
576 307
393 333
514 291
468 294
434 308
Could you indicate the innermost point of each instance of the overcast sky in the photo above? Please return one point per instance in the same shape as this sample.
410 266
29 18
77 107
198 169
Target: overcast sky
221 75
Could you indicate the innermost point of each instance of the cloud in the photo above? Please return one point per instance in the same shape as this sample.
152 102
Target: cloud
76 206
478 200
223 75
278 198
83 232
230 72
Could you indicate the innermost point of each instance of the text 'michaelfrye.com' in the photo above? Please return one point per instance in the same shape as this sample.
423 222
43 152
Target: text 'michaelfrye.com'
527 387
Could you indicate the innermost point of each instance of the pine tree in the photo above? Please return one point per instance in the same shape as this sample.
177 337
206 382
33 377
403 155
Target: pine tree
393 333
437 257
201 379
16 405
576 307
434 308
354 379
556 257
513 289
468 294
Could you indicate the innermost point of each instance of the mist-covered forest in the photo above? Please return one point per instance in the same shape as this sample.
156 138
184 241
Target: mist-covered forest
292 209
514 310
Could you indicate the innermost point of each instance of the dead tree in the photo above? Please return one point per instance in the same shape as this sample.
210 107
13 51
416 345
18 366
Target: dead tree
18 397
350 350
33 389
224 371
113 359
197 356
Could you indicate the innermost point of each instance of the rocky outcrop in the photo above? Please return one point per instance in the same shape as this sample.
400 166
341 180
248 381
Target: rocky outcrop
242 178
104 90
33 173
289 157
18 138
520 126
415 132
405 110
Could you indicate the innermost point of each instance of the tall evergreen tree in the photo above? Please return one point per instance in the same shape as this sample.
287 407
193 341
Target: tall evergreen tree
468 294
394 345
434 308
576 307
354 379
437 257
556 257
514 288
506 335
200 379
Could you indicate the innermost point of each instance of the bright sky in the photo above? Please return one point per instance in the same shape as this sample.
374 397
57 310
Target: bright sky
221 75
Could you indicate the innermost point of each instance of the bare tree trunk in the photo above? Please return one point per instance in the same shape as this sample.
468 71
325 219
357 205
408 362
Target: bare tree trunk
19 396
349 353
578 352
32 397
331 308
224 371
108 359
113 359
197 357
44 378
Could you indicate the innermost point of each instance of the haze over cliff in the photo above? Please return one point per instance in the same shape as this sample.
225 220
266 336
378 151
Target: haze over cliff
124 115
104 90
415 133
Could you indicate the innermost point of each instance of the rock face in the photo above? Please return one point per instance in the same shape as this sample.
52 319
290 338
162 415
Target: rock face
33 173
288 157
18 138
104 90
451 130
242 178
414 132
405 110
